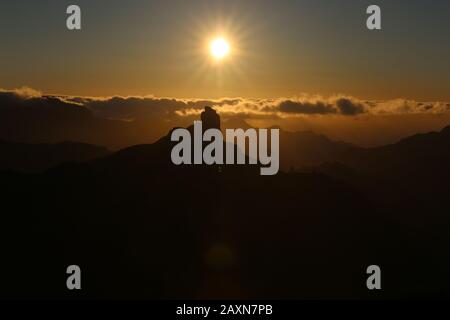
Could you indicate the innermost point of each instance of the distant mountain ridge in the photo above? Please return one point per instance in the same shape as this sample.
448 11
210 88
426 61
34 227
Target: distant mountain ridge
298 150
416 149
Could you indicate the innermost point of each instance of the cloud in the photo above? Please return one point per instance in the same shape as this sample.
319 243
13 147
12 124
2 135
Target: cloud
329 106
300 107
23 92
349 107
33 102
145 107
135 107
31 116
405 106
341 106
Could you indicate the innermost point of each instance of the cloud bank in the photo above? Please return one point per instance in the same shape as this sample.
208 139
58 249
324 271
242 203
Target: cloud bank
142 107
347 106
28 115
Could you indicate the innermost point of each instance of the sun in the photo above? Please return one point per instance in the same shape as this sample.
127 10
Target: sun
219 48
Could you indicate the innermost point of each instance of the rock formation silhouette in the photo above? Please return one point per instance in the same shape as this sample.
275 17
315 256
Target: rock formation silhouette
210 119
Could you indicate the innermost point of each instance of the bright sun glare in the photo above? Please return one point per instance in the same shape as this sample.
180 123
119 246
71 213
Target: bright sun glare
219 48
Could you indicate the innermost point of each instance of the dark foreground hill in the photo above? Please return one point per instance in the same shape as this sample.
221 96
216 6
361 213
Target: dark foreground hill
140 227
27 157
182 232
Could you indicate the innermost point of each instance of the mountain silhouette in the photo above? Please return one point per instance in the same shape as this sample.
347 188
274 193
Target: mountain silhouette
141 227
415 162
156 157
418 151
306 148
302 148
50 119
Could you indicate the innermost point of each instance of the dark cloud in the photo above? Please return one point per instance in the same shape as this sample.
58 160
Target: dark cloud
348 107
343 106
50 119
40 106
148 107
289 106
128 108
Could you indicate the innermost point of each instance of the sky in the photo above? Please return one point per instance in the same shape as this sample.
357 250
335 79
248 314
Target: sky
278 48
